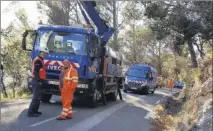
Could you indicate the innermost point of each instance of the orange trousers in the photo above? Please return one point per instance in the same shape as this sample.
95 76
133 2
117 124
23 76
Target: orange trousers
170 84
67 98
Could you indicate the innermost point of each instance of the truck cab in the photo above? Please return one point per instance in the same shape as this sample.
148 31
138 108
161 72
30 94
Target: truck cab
76 43
140 78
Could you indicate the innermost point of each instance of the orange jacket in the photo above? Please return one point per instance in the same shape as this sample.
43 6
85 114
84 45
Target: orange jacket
70 80
42 71
171 84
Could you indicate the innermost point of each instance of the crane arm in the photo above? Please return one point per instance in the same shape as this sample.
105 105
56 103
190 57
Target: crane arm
104 30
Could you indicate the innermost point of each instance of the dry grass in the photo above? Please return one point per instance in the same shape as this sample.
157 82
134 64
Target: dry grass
181 113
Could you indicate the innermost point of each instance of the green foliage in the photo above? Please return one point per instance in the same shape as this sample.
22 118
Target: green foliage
185 19
136 41
60 12
15 60
105 9
132 12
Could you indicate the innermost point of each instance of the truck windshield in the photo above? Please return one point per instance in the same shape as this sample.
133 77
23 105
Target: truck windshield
62 42
137 73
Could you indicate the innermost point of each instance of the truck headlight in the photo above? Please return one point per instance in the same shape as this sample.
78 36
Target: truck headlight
85 86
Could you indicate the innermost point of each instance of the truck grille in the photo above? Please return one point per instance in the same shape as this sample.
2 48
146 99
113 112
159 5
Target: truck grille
52 77
133 84
54 71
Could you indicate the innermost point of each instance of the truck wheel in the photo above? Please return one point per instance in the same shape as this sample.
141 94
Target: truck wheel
152 92
46 97
94 100
30 88
146 90
125 91
113 96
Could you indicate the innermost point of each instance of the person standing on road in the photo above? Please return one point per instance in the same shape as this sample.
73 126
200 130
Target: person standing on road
170 84
38 77
68 82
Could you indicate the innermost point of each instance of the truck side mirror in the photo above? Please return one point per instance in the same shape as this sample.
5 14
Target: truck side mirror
24 36
24 43
24 40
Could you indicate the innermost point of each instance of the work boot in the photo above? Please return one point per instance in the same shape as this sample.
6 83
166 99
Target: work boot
38 112
32 115
59 118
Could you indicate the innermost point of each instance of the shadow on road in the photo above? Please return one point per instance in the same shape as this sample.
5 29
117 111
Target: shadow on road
15 124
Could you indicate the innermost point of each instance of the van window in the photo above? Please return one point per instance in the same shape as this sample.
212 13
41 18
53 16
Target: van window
137 73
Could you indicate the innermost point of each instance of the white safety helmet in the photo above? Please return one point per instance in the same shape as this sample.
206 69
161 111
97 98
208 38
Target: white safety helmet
44 49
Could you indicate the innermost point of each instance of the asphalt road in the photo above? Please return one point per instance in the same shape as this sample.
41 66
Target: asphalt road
132 114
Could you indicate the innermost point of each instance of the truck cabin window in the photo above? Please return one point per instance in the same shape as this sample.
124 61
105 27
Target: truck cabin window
62 42
94 46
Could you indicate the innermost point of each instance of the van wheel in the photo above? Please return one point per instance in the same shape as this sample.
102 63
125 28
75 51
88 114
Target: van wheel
46 97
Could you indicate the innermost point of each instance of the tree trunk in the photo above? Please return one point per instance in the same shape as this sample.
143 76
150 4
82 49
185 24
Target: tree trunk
176 66
4 92
13 89
14 92
159 67
192 53
160 64
116 46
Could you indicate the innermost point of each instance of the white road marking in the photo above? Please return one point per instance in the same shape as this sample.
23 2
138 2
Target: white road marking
158 102
47 120
96 119
90 122
147 115
150 115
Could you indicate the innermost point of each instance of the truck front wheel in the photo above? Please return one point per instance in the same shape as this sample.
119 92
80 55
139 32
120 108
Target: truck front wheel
95 99
46 97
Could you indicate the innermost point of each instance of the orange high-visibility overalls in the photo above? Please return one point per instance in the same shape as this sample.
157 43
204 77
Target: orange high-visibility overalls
70 81
42 71
170 84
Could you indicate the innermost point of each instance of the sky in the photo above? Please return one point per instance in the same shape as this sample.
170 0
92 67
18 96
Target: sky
31 9
29 6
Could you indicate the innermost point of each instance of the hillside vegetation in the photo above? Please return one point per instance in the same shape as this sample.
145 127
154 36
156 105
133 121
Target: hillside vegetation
183 111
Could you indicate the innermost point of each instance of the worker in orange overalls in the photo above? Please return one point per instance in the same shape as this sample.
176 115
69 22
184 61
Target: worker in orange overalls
67 83
170 84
